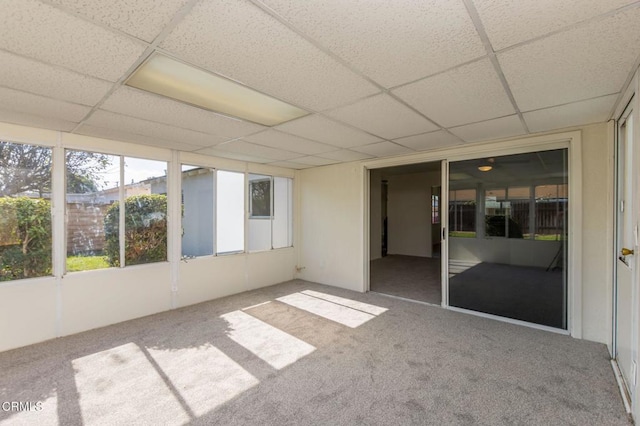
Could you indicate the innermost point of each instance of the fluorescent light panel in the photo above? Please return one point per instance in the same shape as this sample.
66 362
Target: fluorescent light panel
168 77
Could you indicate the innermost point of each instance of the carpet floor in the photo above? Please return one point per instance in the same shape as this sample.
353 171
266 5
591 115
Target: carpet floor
519 292
299 353
411 277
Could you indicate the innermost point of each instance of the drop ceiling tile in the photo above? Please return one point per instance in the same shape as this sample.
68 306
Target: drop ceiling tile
346 155
141 19
275 139
291 165
426 141
137 126
492 129
151 107
247 148
424 37
314 161
383 116
575 114
24 119
383 149
119 135
15 100
36 77
264 54
322 129
463 95
40 31
233 155
586 62
512 22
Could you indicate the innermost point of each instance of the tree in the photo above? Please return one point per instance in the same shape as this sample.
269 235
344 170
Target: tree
28 168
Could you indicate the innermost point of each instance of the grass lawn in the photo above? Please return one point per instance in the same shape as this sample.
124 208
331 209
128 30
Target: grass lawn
86 263
462 234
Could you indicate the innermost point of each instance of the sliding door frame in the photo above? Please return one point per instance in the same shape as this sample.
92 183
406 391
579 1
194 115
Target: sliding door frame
571 140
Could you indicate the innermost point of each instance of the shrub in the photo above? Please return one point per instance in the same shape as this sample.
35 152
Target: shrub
25 238
145 230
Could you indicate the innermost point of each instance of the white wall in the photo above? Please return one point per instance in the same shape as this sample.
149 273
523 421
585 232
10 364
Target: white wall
597 232
331 217
409 213
332 220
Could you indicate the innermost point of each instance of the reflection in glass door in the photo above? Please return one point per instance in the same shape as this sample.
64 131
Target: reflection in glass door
508 234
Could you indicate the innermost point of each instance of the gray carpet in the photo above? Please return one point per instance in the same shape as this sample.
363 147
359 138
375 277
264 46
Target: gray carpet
519 292
279 364
411 277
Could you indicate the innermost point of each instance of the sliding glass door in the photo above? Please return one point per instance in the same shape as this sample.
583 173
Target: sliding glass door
508 236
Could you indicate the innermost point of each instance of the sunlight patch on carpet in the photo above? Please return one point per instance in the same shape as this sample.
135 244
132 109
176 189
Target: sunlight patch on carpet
268 343
204 376
360 306
329 310
121 383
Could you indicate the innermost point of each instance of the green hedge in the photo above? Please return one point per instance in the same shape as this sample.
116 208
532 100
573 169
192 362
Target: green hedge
25 238
145 230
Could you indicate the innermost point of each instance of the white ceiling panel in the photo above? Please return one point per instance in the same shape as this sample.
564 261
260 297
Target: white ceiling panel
345 155
512 22
589 61
14 100
584 112
432 140
464 95
15 117
247 148
240 41
137 126
314 161
383 149
291 165
116 134
233 155
48 80
288 142
141 19
40 31
393 42
151 107
492 129
322 129
383 116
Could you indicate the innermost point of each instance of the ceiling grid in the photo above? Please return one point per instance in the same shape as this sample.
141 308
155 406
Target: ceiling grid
377 79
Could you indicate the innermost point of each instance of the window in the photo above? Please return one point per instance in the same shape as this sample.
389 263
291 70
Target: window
145 211
260 212
435 205
25 211
462 213
260 196
550 212
93 186
144 237
197 211
229 212
282 212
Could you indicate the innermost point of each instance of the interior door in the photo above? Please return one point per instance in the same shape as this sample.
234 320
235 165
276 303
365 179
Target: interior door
626 246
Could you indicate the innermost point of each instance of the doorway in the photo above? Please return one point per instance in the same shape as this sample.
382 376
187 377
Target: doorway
405 232
626 269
